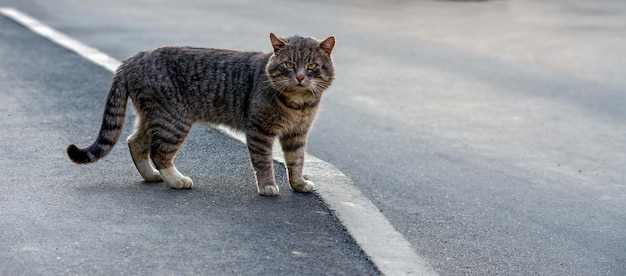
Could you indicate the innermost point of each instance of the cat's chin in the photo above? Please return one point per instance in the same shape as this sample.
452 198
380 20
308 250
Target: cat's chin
299 96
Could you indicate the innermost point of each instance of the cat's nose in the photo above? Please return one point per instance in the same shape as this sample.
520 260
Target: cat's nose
300 78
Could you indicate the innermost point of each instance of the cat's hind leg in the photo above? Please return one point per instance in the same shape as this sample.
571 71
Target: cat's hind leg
166 138
139 146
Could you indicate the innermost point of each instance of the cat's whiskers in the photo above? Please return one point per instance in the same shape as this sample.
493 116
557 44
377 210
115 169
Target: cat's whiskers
283 85
278 85
318 87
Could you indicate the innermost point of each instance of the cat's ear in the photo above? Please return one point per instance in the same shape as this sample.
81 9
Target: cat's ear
277 42
328 44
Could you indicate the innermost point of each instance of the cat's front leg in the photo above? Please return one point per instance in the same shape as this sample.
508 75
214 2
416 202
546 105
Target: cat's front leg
294 149
260 150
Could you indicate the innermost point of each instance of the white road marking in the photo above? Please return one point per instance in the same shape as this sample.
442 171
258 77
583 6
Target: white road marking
92 54
390 252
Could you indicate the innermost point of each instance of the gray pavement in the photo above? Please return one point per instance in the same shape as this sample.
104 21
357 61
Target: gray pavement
58 218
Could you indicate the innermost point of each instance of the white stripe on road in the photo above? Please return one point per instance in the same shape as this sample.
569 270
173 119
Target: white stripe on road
390 252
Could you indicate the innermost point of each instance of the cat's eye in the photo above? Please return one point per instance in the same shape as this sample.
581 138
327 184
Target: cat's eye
311 66
290 65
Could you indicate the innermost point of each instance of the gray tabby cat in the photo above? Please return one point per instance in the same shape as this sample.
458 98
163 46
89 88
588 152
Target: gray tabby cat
264 95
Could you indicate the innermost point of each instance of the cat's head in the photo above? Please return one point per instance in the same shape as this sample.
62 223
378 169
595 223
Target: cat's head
301 66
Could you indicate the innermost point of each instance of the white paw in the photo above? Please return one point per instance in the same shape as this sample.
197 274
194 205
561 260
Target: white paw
175 179
148 172
268 190
182 183
153 177
303 187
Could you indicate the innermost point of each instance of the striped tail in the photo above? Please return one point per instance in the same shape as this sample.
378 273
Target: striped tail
110 131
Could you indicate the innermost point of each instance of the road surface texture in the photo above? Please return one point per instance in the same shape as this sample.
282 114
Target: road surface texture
492 134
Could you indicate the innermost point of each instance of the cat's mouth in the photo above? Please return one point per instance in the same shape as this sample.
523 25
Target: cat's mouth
301 82
298 87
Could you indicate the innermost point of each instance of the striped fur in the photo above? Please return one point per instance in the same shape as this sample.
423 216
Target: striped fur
265 95
110 130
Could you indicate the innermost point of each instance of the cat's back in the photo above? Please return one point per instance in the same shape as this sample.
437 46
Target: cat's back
198 68
212 85
195 59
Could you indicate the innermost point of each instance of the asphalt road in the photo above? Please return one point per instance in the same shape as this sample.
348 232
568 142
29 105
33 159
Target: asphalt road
490 133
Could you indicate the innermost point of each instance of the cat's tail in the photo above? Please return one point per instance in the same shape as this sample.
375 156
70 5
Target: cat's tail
111 129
